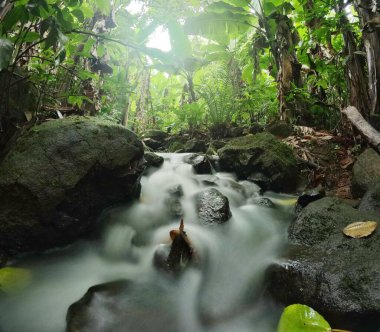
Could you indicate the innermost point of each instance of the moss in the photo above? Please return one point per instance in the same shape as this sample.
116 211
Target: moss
175 146
268 143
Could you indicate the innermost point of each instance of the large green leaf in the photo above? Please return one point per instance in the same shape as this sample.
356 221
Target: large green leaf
220 27
6 50
179 41
301 318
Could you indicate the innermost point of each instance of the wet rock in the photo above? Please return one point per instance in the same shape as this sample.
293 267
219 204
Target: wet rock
59 176
262 201
175 191
212 206
153 160
250 189
371 200
195 145
281 129
121 306
260 179
366 172
173 201
173 206
200 163
208 180
263 155
334 274
309 196
154 134
160 257
256 129
152 144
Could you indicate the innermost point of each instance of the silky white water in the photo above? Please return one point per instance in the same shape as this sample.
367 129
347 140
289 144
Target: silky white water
226 287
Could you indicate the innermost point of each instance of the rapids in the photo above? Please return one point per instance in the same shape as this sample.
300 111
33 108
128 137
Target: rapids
227 286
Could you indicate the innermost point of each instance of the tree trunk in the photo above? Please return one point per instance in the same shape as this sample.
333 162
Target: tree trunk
289 67
355 67
369 15
371 134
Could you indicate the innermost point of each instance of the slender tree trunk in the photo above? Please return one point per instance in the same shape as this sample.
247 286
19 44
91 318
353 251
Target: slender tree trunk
369 15
289 67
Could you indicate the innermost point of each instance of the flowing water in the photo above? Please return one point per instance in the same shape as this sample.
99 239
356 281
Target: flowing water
226 286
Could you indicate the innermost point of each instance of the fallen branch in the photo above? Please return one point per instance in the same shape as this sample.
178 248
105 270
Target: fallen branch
370 133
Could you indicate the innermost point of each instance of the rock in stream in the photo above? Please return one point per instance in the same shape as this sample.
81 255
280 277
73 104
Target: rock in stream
59 176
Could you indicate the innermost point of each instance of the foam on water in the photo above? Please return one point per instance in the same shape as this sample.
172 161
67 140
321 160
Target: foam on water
226 287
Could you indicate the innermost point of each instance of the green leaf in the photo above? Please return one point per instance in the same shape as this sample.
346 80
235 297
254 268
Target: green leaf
247 73
104 6
31 36
179 41
13 279
6 50
78 14
301 318
219 27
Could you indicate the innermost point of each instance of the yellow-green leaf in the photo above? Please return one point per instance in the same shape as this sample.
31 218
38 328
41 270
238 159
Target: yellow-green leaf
301 318
360 229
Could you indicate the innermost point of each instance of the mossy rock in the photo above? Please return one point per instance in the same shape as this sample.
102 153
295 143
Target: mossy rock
155 134
334 274
261 154
366 172
60 175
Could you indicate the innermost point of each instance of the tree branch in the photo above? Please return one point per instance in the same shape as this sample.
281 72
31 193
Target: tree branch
370 133
92 34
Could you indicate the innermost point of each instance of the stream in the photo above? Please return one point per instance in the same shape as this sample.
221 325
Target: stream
227 286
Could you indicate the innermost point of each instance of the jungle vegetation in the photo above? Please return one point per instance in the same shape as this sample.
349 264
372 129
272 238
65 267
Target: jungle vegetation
230 62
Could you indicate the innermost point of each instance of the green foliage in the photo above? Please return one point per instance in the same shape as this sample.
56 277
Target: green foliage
6 50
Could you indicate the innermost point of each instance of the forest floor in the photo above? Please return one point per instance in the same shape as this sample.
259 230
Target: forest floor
328 160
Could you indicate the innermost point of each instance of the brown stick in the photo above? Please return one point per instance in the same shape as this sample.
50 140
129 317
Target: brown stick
370 133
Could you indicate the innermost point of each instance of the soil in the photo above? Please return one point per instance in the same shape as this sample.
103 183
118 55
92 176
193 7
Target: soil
327 160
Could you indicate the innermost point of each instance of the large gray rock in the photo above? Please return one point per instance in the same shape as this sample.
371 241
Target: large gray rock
153 159
154 138
371 200
195 145
200 163
59 176
336 275
212 206
261 156
121 306
366 172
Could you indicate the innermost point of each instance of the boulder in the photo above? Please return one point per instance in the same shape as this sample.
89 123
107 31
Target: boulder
366 172
371 200
212 206
261 156
155 134
152 143
334 274
280 129
262 201
121 306
153 159
195 145
60 175
200 163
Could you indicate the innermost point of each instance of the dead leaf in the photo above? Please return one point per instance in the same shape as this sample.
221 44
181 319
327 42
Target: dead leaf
360 229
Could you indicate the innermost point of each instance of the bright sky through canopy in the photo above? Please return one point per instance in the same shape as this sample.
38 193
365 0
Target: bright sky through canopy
160 37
